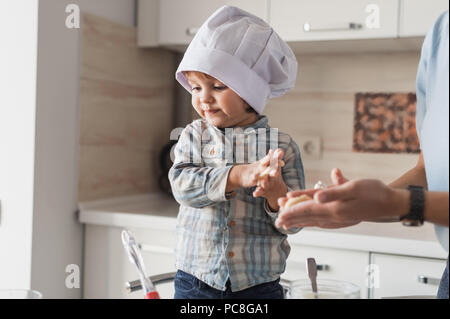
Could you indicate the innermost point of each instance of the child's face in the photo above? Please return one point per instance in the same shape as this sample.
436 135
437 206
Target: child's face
217 103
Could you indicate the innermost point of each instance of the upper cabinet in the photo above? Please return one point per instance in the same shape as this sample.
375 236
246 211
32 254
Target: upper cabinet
180 20
173 23
306 20
417 16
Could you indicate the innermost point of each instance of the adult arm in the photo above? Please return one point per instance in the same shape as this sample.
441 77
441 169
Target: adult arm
354 201
436 203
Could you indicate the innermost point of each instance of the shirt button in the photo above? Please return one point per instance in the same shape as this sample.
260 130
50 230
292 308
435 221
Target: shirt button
232 223
231 254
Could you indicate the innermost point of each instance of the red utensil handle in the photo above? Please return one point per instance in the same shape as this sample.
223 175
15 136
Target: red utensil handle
152 295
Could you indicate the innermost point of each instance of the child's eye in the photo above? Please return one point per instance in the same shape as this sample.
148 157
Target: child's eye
220 88
196 88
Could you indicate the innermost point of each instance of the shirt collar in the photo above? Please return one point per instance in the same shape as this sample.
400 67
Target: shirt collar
261 122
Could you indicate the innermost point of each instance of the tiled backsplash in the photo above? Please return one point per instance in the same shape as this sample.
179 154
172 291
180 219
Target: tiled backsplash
126 100
322 105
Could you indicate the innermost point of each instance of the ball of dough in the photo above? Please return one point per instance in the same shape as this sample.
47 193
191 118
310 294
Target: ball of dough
295 200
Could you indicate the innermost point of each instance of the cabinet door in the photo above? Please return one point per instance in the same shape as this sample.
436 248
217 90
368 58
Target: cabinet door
305 20
401 276
157 248
417 16
107 268
179 20
335 264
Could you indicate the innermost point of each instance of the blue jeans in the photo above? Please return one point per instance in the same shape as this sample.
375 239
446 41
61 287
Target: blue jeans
189 287
443 287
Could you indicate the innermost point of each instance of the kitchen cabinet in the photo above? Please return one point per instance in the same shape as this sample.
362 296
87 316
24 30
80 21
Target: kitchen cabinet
395 276
335 264
417 16
309 26
107 267
178 21
303 20
157 247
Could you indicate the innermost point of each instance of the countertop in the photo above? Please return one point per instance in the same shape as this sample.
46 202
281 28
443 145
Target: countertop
158 210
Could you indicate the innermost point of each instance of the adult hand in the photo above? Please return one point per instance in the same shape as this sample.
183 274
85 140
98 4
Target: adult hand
344 204
336 177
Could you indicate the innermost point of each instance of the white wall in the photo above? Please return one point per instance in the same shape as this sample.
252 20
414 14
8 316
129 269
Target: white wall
18 34
57 235
39 88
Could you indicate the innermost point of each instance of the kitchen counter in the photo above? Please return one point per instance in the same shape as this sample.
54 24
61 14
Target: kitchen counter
159 211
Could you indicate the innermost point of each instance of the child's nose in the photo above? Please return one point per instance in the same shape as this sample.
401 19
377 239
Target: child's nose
206 97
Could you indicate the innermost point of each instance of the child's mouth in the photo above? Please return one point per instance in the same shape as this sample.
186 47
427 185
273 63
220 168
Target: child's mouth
211 112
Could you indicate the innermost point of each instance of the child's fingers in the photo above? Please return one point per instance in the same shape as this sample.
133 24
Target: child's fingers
259 183
275 158
263 181
271 164
276 172
254 178
258 192
282 201
279 154
265 161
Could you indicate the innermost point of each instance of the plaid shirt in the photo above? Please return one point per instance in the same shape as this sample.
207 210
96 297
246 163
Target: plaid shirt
219 237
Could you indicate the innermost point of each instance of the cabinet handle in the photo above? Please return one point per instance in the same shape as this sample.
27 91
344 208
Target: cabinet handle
191 31
345 27
428 280
132 286
323 267
320 267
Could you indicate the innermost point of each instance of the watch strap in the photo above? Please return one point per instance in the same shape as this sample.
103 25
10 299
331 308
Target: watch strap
417 206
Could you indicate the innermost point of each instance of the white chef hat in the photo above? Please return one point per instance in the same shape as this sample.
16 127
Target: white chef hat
243 52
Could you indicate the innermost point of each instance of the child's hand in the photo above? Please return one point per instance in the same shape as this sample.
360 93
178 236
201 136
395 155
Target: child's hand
250 174
265 174
271 186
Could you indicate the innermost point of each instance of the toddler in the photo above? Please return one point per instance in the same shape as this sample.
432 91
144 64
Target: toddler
230 167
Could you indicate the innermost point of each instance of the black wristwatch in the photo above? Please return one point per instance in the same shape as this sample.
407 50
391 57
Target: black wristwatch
416 207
